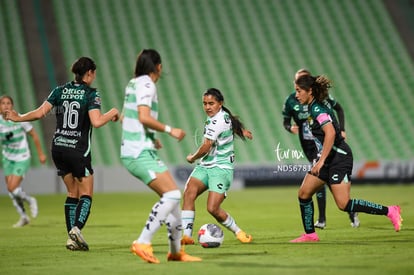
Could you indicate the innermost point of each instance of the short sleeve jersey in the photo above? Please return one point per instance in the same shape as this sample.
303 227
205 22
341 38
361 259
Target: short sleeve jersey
14 139
293 109
72 103
320 115
219 129
135 136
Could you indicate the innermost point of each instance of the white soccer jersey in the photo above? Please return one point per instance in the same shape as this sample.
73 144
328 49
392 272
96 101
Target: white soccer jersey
219 129
14 140
136 137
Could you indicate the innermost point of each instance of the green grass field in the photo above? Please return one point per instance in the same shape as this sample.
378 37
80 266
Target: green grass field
271 215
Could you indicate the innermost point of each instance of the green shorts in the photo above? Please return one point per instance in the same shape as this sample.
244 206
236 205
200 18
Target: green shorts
216 179
145 166
18 168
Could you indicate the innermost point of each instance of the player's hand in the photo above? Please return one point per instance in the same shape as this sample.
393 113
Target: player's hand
157 144
190 158
11 115
248 134
42 158
177 133
115 117
294 129
316 168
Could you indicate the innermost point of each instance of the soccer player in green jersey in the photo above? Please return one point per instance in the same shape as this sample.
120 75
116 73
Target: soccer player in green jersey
334 163
214 172
77 107
16 159
139 156
292 109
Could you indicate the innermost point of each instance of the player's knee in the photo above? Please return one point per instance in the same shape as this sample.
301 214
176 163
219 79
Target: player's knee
172 195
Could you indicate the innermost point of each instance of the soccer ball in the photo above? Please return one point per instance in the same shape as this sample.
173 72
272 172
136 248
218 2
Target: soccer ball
210 235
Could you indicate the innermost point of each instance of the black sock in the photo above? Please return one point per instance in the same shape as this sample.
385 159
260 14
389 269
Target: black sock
306 210
321 198
82 211
357 205
70 212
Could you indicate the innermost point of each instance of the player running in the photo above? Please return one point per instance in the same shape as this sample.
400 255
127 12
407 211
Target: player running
16 159
292 109
334 165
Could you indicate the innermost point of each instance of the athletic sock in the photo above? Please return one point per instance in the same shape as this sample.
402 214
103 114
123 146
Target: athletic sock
187 219
70 212
230 224
158 215
357 205
174 228
83 210
17 200
307 210
321 198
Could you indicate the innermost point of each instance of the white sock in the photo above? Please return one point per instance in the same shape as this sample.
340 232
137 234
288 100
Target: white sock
187 219
174 230
18 202
230 224
159 213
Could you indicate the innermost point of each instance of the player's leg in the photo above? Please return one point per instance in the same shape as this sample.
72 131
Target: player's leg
321 199
310 185
176 251
81 181
341 193
193 188
219 182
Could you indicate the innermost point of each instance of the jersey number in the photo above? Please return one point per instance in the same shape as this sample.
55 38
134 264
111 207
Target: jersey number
71 116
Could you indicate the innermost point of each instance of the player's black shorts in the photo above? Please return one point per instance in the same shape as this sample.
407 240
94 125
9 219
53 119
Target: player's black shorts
338 166
72 162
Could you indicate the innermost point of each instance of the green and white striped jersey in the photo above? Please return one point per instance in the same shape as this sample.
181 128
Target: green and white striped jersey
135 136
14 139
219 129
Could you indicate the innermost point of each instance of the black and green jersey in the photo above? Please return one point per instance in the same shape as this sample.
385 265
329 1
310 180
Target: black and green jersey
72 102
292 109
319 115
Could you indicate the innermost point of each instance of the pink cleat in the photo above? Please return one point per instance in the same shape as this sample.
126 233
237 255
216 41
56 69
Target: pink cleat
394 214
311 237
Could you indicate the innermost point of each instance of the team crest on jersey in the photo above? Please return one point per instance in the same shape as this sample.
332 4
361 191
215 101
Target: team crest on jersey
310 121
227 119
98 100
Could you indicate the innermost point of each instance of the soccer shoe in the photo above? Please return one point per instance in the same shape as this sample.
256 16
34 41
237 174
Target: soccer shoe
312 237
394 214
186 240
76 236
320 224
144 251
243 237
72 245
33 207
21 222
353 216
182 257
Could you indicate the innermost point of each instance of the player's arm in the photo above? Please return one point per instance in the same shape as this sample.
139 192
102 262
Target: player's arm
98 119
36 140
328 142
204 148
341 115
39 113
144 116
289 127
